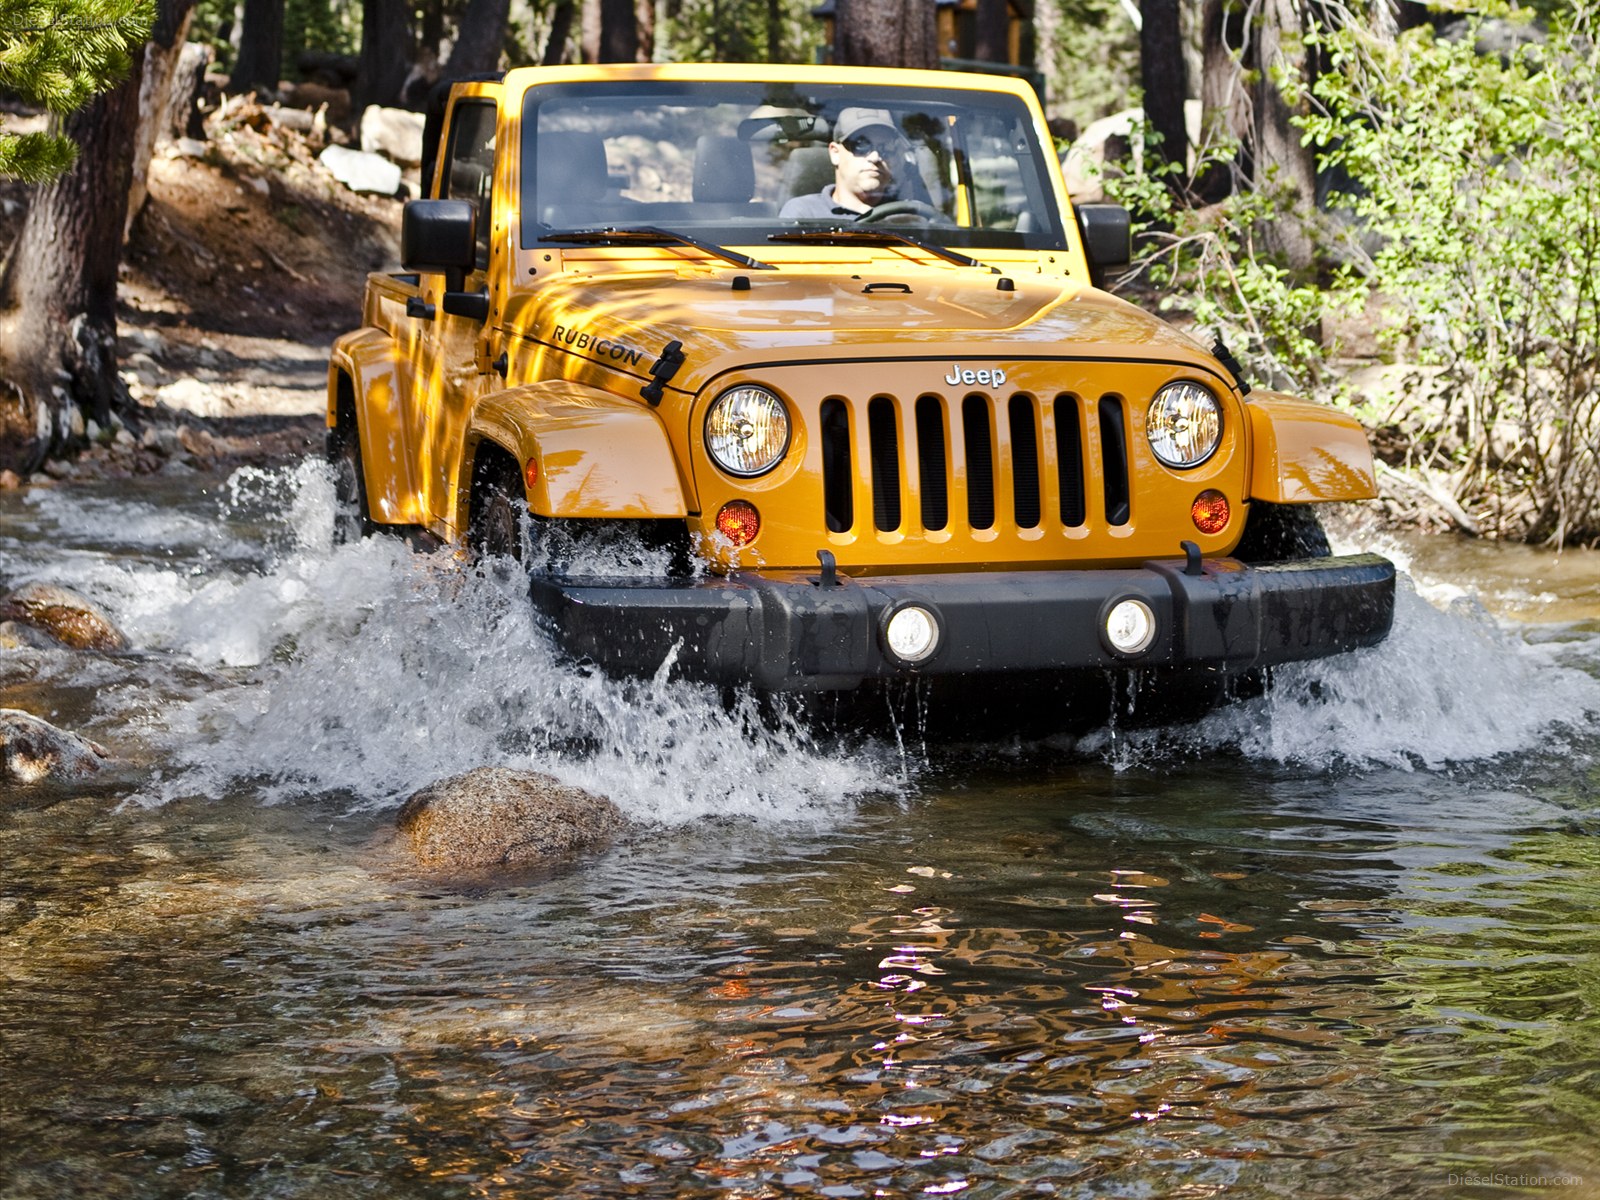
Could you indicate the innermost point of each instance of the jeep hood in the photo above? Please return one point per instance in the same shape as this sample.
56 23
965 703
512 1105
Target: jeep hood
791 317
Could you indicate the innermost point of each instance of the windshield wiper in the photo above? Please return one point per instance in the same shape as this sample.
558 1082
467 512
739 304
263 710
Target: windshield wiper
650 235
881 237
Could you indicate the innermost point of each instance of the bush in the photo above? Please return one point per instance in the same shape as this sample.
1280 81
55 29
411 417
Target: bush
1470 221
1478 178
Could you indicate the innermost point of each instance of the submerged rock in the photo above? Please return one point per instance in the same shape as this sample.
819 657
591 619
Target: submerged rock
497 817
32 750
71 619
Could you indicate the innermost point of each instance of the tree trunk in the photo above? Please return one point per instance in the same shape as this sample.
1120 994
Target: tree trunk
385 60
885 33
619 32
1281 162
1162 75
644 22
260 61
58 288
994 32
1224 104
555 47
775 50
173 70
480 39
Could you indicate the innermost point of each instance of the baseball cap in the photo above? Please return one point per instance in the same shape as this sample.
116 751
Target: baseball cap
854 120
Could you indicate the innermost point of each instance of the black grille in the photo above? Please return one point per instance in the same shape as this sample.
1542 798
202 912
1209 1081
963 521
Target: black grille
884 443
1024 463
1088 450
837 484
931 465
1114 450
980 462
1069 461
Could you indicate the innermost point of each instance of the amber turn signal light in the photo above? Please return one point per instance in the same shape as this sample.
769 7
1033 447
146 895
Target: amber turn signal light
1210 511
739 522
530 473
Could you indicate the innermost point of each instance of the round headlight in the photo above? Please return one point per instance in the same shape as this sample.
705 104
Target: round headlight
747 430
1184 425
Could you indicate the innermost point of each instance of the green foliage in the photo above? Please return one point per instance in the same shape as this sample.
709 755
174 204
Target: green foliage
1093 67
1477 183
330 26
1213 265
737 31
60 54
1469 218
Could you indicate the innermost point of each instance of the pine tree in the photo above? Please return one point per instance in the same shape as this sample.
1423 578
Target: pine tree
60 54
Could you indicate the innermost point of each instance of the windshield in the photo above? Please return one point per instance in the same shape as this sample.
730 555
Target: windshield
736 163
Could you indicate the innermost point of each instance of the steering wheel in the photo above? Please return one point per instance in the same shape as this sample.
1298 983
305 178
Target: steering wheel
916 209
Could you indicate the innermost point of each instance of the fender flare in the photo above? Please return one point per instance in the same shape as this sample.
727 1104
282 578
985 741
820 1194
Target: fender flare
1303 453
596 454
379 380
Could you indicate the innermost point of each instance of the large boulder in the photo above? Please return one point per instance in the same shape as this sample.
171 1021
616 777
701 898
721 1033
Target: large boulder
497 817
70 618
395 133
32 750
361 172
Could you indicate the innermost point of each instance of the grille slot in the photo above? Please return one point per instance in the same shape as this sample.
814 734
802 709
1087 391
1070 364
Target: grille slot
980 461
837 490
1069 462
1114 455
1024 462
931 468
884 443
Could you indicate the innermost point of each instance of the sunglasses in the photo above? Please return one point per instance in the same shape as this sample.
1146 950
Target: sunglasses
861 145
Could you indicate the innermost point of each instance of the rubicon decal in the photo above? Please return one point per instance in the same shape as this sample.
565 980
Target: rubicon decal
600 347
987 376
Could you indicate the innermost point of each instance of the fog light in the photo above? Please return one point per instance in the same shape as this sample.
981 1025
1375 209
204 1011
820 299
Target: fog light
1210 511
739 522
912 634
1130 626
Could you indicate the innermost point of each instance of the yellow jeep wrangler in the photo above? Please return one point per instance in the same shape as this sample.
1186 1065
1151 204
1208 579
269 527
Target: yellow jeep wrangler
828 341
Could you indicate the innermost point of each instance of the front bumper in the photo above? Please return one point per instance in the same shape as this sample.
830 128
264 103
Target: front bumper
791 632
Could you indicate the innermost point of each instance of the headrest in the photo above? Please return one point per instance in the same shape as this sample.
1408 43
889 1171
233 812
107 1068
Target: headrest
723 173
571 167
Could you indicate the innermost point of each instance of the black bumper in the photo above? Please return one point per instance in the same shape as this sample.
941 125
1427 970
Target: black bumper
789 632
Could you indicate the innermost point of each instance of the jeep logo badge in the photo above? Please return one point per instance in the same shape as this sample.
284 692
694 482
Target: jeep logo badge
988 377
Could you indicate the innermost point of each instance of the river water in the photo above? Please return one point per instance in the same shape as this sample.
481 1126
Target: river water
1338 941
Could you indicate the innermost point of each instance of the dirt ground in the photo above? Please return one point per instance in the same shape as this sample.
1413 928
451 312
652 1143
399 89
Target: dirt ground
245 262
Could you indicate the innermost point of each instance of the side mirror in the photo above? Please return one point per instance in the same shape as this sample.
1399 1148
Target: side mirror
1107 237
439 235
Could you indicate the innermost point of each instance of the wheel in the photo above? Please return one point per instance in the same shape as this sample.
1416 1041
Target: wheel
499 511
901 208
352 520
1281 532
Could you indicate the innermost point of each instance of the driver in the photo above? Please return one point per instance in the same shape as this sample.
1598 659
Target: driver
867 149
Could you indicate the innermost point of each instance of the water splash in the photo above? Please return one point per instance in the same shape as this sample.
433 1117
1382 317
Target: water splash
1449 685
370 670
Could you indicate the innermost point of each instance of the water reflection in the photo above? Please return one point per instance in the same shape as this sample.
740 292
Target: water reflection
1109 991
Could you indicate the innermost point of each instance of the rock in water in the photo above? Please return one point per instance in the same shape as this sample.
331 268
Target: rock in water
32 750
497 817
71 619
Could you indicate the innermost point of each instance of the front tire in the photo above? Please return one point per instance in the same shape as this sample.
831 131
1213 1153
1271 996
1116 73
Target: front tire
352 520
499 512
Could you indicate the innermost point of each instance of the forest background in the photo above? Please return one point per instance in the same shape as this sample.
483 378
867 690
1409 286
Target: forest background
1388 205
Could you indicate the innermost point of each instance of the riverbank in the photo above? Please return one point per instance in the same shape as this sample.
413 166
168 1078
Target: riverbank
246 261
